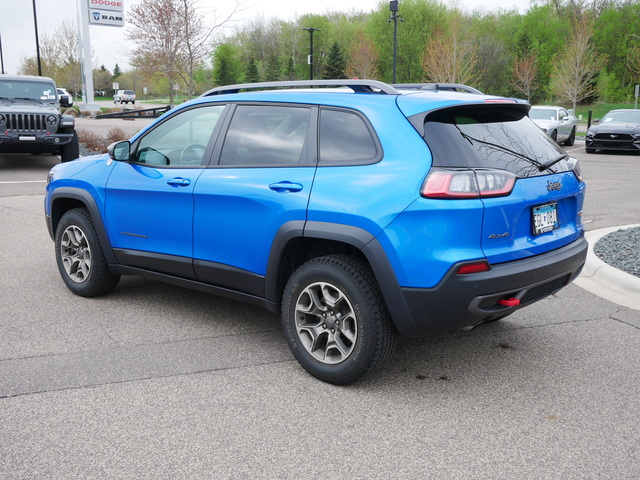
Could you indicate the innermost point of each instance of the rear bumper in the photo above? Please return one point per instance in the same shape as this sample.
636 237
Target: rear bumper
460 301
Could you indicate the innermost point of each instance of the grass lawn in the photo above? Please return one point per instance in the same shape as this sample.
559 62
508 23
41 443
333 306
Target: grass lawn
599 109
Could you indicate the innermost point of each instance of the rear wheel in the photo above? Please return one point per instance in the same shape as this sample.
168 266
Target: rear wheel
335 319
79 255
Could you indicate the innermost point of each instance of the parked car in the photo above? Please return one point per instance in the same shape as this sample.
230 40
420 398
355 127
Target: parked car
31 120
62 91
356 212
124 96
618 130
557 122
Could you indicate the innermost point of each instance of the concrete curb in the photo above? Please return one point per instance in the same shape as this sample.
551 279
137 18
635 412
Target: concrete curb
606 281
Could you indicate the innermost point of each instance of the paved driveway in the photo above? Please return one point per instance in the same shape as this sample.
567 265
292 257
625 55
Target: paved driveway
155 381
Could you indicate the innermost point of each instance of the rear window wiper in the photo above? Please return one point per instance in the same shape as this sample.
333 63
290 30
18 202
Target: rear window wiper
551 163
471 139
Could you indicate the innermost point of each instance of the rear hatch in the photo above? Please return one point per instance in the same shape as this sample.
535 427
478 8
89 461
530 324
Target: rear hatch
531 189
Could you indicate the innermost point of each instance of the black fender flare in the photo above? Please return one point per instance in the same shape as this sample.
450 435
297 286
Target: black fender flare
356 237
63 193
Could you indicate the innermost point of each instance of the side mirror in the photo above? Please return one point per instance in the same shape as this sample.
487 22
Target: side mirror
120 151
596 121
65 101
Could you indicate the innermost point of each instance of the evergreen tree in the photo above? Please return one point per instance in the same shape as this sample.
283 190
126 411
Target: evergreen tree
290 72
273 70
116 72
252 75
336 64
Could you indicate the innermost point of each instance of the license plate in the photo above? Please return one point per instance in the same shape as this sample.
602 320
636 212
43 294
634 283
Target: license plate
545 218
26 138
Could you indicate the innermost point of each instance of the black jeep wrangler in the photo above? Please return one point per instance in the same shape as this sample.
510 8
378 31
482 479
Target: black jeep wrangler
30 118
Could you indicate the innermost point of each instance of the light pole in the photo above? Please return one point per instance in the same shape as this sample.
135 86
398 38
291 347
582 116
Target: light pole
311 30
393 8
35 23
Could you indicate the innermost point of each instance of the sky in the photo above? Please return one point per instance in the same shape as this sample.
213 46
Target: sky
110 47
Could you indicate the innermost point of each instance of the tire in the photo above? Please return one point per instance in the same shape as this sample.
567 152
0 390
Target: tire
71 151
133 102
80 258
335 319
572 138
554 135
590 150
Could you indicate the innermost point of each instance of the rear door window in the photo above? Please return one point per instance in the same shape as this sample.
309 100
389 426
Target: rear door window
266 135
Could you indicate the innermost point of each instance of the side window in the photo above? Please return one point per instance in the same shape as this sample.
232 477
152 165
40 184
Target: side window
261 135
563 114
181 140
345 138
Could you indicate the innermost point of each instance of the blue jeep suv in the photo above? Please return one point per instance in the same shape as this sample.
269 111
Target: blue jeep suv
355 209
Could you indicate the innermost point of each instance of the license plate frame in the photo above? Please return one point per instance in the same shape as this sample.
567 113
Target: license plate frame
544 218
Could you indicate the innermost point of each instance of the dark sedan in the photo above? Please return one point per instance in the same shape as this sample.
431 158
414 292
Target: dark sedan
617 130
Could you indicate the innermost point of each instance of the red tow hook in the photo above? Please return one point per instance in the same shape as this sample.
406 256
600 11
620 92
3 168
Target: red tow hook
509 302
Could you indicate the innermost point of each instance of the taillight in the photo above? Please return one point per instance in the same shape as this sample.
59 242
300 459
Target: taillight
575 167
450 183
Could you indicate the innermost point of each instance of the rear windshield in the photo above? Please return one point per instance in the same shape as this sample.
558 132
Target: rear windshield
490 136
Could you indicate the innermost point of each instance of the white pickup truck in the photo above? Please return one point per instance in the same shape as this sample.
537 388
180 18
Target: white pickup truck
124 96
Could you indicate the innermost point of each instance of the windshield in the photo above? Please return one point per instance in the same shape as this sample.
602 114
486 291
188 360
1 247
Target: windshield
632 116
27 90
493 137
542 114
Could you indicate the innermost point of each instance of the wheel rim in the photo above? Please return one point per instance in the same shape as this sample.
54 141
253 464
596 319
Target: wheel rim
75 254
326 323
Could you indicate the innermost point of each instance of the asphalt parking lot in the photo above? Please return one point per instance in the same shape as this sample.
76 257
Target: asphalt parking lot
155 381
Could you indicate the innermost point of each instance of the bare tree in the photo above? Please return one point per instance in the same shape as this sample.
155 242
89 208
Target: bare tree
172 39
573 77
451 55
525 73
363 58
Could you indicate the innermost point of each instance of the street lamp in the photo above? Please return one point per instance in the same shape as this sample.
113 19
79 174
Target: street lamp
393 8
311 30
35 23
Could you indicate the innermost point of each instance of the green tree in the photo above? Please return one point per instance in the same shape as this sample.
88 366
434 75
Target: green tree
273 69
226 65
336 64
252 75
116 72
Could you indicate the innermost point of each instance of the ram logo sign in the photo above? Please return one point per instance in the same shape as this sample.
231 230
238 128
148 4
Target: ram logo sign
105 17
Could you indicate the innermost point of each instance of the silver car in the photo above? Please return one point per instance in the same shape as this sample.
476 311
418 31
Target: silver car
559 123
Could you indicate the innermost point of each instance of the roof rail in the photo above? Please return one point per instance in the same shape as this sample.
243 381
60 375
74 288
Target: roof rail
358 86
450 87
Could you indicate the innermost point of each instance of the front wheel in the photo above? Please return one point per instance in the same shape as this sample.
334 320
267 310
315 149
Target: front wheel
71 151
572 138
335 319
80 258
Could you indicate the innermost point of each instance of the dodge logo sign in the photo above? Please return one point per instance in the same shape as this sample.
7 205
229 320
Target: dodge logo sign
96 16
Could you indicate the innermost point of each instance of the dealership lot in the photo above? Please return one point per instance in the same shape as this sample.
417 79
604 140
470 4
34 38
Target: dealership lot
155 381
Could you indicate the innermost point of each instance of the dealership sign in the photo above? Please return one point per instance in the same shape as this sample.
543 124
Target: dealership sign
106 12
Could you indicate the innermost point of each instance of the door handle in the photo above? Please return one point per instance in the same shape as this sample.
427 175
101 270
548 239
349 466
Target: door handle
284 187
179 182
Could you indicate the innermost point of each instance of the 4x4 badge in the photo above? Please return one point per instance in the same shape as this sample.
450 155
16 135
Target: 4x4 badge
551 186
